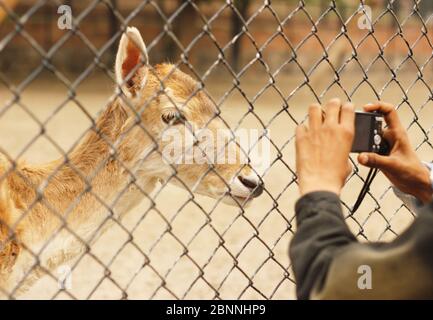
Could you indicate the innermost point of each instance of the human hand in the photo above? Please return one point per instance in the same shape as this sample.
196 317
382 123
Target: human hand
322 149
402 167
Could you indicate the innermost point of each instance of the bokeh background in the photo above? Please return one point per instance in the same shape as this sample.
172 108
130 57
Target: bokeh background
263 62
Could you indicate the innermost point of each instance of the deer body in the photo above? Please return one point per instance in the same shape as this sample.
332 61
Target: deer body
50 213
65 196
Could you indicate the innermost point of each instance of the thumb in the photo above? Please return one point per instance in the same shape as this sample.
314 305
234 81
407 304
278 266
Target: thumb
374 160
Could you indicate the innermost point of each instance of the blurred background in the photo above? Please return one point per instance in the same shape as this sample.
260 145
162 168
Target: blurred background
171 27
263 63
313 46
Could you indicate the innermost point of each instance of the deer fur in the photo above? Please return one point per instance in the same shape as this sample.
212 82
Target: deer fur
49 212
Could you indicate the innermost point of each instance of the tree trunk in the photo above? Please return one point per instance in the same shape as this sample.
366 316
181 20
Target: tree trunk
185 20
236 27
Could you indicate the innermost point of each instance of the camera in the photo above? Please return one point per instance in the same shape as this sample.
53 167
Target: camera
369 133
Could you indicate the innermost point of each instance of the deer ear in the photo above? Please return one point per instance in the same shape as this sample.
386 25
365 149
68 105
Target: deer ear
131 63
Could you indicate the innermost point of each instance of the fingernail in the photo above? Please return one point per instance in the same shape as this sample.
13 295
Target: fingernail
335 101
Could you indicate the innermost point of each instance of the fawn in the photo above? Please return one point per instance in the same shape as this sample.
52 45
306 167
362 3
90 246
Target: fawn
49 213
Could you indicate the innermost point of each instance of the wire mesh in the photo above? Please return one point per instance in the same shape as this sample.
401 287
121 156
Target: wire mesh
176 244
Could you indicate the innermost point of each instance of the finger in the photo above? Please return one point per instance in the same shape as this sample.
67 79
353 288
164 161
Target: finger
389 112
389 137
373 160
315 116
332 110
347 116
301 131
349 168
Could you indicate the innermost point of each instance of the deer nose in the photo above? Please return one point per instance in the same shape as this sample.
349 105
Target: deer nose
255 186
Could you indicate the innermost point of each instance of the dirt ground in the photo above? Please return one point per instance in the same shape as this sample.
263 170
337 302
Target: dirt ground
252 261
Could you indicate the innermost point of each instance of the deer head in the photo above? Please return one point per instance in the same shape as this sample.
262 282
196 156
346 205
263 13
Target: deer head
167 103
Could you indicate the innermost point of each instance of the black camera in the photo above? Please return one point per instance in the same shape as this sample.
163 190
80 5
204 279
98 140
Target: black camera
369 133
368 138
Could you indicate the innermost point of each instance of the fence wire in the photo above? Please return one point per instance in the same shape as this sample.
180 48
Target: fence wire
177 245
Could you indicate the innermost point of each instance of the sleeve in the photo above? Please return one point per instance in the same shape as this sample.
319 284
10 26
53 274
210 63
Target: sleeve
329 263
321 231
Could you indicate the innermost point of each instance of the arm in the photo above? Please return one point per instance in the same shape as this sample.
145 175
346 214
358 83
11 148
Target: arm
327 258
322 152
321 233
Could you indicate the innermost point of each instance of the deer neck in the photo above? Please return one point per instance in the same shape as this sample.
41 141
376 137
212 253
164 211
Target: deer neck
99 168
116 153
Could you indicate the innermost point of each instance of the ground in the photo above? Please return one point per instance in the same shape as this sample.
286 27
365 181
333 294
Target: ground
249 260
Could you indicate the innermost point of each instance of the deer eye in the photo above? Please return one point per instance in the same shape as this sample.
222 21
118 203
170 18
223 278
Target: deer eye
173 118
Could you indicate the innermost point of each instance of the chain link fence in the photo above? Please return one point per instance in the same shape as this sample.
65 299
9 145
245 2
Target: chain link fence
73 227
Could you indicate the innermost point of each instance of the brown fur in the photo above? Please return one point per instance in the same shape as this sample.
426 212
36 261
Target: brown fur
74 191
